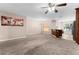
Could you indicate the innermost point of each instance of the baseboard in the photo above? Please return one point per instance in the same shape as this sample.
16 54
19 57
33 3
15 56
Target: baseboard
67 39
18 37
5 40
12 38
32 34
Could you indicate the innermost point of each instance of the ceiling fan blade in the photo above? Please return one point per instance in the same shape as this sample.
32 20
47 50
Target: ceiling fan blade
63 4
51 4
56 11
46 12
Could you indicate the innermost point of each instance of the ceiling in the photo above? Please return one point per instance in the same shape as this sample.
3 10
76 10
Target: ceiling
35 10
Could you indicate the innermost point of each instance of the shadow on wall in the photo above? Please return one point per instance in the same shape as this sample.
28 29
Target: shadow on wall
74 30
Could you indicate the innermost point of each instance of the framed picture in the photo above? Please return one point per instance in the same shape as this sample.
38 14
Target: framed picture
9 21
17 22
5 21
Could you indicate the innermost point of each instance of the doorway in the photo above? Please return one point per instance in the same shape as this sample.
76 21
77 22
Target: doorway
45 27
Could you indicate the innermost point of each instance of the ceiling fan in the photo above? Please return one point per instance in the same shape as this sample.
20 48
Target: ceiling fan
52 7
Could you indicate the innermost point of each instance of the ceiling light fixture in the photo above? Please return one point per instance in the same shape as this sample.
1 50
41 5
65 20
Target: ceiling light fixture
52 7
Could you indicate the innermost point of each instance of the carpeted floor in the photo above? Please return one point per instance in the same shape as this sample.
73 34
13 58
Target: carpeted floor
42 44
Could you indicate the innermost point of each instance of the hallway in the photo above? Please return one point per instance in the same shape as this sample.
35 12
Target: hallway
41 44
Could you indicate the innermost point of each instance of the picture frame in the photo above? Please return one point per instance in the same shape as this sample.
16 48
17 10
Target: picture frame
10 21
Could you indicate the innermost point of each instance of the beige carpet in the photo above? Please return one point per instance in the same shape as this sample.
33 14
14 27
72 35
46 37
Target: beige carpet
41 44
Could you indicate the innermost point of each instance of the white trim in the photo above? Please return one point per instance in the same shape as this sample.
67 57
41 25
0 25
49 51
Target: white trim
12 38
32 34
4 39
18 37
68 39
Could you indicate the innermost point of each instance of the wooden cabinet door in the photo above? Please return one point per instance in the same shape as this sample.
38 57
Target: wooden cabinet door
77 25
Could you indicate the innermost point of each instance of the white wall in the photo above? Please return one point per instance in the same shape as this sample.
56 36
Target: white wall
34 25
11 32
